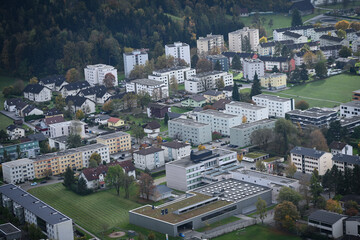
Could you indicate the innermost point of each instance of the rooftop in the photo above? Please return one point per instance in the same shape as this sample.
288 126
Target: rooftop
205 74
309 152
332 47
213 93
218 114
292 34
273 178
294 28
18 163
245 105
352 104
331 38
113 135
8 228
114 120
350 120
188 122
61 139
312 112
326 216
165 70
349 159
252 124
337 145
177 44
149 150
324 29
34 88
175 144
91 147
273 98
147 82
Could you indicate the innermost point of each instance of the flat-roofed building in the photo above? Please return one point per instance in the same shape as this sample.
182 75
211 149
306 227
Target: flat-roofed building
189 130
348 123
179 73
95 74
179 50
134 58
356 95
207 80
247 111
88 150
239 39
350 109
221 59
67 128
252 66
116 142
210 43
312 117
18 171
273 81
175 150
343 161
276 105
219 122
149 158
156 89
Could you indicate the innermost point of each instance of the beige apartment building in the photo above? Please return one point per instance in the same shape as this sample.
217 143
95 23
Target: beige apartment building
117 141
237 38
210 43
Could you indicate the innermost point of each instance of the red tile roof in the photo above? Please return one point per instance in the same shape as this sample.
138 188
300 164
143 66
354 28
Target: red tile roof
93 173
113 120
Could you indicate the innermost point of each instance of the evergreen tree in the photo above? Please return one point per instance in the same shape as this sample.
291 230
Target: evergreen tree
6 156
235 93
296 18
69 178
255 88
166 119
236 63
355 186
320 69
194 60
303 73
315 187
334 132
275 69
217 66
81 187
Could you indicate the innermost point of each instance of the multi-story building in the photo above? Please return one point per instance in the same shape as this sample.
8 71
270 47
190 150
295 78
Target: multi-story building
238 39
207 80
212 96
18 171
312 117
157 110
331 51
223 61
276 105
240 135
179 73
179 50
95 74
297 38
356 95
341 148
73 89
283 64
252 66
350 109
88 150
210 43
116 142
219 122
37 93
307 160
326 40
30 209
189 130
28 149
175 150
15 132
350 123
186 173
328 223
268 48
305 30
67 128
84 104
343 161
318 32
52 81
97 94
132 59
273 80
156 89
149 158
247 111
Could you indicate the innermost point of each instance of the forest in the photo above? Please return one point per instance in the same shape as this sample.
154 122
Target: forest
43 37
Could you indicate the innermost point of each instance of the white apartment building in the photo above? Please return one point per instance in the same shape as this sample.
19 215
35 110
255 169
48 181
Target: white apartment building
156 89
326 40
88 150
305 30
190 131
276 105
66 128
237 38
95 74
340 147
328 223
149 158
18 171
37 93
207 80
307 160
179 50
219 122
252 66
247 111
318 32
136 57
180 73
175 150
210 43
343 161
297 38
350 109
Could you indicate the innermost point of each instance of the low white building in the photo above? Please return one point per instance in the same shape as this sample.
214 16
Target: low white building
52 81
219 122
340 147
331 51
88 150
189 130
276 105
247 111
152 129
175 150
97 94
343 161
297 38
18 171
350 109
58 142
15 132
326 40
207 80
37 93
11 103
318 32
328 223
179 73
352 226
95 74
65 128
149 158
305 30
156 89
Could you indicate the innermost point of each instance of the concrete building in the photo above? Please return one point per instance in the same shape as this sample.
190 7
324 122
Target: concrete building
223 61
97 94
179 50
297 38
18 171
116 142
238 39
66 128
350 123
318 32
273 81
156 89
157 110
84 104
312 117
30 209
15 132
149 158
305 30
9 232
175 150
277 106
194 101
73 89
52 81
189 130
95 74
331 51
132 59
340 147
326 40
240 135
88 150
59 142
328 223
213 96
343 161
352 226
283 64
207 80
28 149
247 111
308 159
219 122
350 109
252 66
268 48
179 73
210 43
37 93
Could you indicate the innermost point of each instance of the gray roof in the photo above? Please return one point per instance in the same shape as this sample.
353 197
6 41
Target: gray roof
205 74
326 216
161 189
164 70
197 98
91 147
352 104
34 88
8 229
256 123
33 204
245 105
103 117
187 122
113 135
355 160
350 120
37 137
149 150
213 93
147 82
218 114
175 144
292 34
312 112
310 152
273 98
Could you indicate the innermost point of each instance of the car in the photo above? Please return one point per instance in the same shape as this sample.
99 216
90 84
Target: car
181 235
43 181
122 158
60 178
33 184
253 168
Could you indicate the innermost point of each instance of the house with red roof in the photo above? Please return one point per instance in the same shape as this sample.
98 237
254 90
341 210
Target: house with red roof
114 122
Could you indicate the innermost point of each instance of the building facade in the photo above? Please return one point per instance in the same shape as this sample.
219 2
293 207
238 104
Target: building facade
239 38
273 81
37 93
312 117
350 109
252 66
67 128
210 43
166 75
179 50
18 171
132 59
219 122
149 158
175 150
28 149
247 111
207 80
95 74
189 130
88 150
116 142
276 105
156 89
223 61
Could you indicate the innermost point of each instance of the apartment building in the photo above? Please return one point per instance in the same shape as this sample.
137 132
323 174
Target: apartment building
30 209
252 66
341 148
88 150
219 122
356 95
73 89
207 80
212 96
331 51
67 128
18 171
149 158
305 30
350 109
52 81
347 123
312 117
318 32
116 142
343 161
134 58
223 61
175 150
37 93
276 105
156 89
328 223
95 74
247 111
307 160
297 38
186 174
240 134
210 43
326 40
28 149
190 131
268 48
273 80
237 39
179 73
283 64
179 50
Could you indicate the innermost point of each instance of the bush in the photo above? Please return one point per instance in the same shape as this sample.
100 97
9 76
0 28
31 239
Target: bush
33 117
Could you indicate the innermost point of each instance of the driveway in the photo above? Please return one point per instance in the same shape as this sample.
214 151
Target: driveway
13 116
27 185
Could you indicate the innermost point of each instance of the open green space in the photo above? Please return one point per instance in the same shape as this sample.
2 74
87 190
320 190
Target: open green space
237 76
219 223
329 92
255 154
257 232
245 90
181 87
179 110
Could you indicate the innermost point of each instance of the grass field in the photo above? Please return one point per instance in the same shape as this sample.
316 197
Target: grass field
179 110
257 232
329 92
219 223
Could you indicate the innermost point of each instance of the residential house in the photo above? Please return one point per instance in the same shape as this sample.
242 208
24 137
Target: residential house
340 147
328 223
97 94
350 109
67 128
247 111
189 130
46 122
160 192
283 64
194 101
30 110
15 132
114 122
84 104
134 58
116 141
221 59
297 38
277 106
220 105
50 81
28 149
156 89
213 96
179 51
175 150
331 51
178 73
53 112
73 89
102 119
239 39
219 122
252 66
149 158
244 12
268 48
157 110
210 43
95 74
19 107
305 7
296 47
351 34
59 84
326 40
18 171
37 93
343 161
273 81
312 117
152 129
228 91
11 103
207 80
60 143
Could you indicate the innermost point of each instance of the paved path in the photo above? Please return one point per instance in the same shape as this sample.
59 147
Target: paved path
159 180
12 116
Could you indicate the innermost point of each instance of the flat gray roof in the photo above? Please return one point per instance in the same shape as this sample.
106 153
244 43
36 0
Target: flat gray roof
270 177
346 121
326 216
113 135
189 122
251 124
310 152
218 114
312 112
17 163
273 98
246 105
56 154
148 82
352 104
205 74
62 139
91 147
163 70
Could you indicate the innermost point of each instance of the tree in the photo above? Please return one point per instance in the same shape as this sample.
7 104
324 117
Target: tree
304 189
144 98
201 147
35 232
290 170
6 156
285 51
151 236
194 60
69 178
107 107
309 59
174 86
286 215
217 66
343 25
72 75
236 63
321 69
278 48
109 80
262 137
256 87
166 119
302 105
130 100
271 23
165 61
115 177
286 135
203 65
93 163
79 114
333 206
318 141
60 102
288 194
296 18
345 52
146 185
73 141
351 208
335 132
355 25
275 69
220 84
33 80
4 137
303 73
341 33
96 157
261 209
127 182
315 187
138 132
245 44
235 93
81 187
260 166
263 39
19 154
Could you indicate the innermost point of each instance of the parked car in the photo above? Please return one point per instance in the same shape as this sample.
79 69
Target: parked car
60 178
43 181
33 184
253 168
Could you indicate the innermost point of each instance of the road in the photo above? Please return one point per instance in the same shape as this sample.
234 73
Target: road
27 185
12 116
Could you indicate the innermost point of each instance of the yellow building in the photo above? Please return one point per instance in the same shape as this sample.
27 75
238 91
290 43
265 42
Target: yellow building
115 122
213 96
274 81
117 141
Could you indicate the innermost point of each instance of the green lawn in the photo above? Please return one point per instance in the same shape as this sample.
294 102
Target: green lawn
245 90
237 76
181 87
329 92
219 223
257 232
179 110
